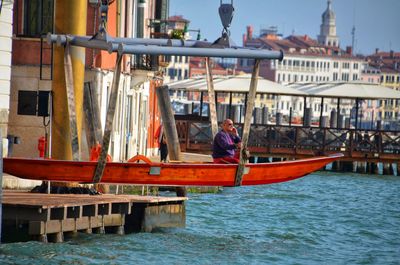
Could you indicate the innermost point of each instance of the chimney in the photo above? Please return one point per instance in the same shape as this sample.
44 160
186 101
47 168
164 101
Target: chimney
349 50
249 32
376 50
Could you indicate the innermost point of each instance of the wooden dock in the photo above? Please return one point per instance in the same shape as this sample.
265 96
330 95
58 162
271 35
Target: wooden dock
51 217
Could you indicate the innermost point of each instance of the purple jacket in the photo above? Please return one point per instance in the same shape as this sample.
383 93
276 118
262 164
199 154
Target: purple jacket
224 144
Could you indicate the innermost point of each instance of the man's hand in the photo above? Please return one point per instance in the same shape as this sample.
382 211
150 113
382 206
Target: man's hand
239 145
234 131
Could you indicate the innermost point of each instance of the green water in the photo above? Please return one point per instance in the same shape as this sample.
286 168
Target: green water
320 219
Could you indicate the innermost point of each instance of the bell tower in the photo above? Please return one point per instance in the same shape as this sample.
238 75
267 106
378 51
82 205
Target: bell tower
327 34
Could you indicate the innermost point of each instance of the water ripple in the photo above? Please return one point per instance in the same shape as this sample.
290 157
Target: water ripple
321 219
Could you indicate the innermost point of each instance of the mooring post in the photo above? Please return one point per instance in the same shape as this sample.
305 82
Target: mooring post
247 123
168 119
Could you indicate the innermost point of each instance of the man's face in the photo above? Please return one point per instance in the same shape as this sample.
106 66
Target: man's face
228 126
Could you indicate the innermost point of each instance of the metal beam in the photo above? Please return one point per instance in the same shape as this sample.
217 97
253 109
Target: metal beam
201 52
62 39
162 46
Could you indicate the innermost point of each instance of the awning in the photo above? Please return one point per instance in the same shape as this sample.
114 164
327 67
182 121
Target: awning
236 84
350 90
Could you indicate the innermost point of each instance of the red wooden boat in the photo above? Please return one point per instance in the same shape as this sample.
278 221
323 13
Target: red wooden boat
170 174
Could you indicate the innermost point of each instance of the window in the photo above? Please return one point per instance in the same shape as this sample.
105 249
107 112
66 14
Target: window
38 17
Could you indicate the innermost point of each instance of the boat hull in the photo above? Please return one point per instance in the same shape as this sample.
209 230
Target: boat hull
168 174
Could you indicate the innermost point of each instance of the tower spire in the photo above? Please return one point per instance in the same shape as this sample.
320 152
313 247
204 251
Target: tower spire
328 27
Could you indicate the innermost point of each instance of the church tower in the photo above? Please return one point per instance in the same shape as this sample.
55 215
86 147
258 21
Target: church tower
328 28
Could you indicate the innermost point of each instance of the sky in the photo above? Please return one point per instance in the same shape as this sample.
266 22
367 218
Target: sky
377 22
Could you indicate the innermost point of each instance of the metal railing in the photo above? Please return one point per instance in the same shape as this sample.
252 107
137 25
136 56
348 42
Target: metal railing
299 141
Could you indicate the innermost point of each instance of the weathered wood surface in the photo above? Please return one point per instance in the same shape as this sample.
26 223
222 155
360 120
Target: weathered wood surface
174 149
247 122
46 217
94 133
168 121
211 98
69 86
67 200
112 104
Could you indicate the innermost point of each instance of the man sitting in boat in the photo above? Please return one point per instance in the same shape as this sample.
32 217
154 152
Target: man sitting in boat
225 143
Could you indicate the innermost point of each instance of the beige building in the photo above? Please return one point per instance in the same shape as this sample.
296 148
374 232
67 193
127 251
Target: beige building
31 73
6 19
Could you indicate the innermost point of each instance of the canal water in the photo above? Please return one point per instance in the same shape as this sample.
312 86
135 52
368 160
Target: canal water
323 218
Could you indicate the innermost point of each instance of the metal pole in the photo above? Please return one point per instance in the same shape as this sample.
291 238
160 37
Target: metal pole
201 52
304 110
372 119
211 99
338 112
321 112
356 122
152 47
230 106
109 122
247 123
201 105
1 182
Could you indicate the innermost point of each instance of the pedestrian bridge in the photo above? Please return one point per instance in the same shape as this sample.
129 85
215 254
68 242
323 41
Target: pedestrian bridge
299 141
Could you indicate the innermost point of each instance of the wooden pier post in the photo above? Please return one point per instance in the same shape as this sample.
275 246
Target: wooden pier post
362 167
387 169
335 166
42 238
347 166
376 168
398 169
